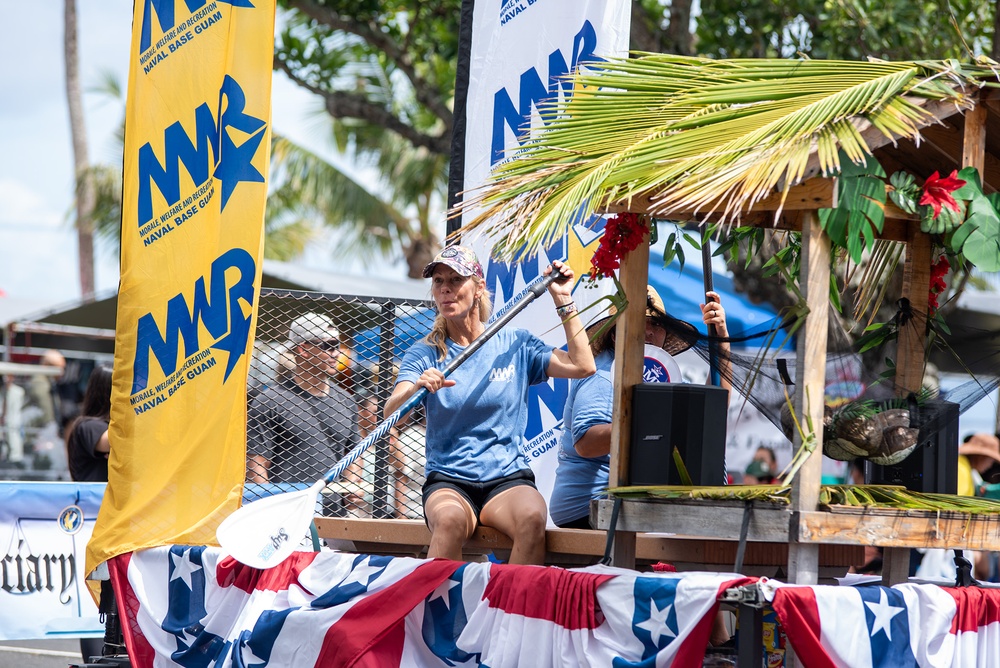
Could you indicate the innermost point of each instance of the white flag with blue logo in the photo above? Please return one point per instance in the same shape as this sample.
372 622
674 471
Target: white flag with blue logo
521 54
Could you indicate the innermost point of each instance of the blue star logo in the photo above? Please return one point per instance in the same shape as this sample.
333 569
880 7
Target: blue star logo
654 620
888 627
236 160
365 570
445 619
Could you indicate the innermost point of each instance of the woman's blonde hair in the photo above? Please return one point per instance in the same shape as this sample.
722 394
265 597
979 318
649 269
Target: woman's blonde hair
438 335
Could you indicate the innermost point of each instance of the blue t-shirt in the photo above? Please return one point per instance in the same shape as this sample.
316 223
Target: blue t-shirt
580 479
475 428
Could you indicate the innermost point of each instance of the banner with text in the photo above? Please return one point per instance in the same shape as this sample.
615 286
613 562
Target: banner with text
44 529
521 52
197 146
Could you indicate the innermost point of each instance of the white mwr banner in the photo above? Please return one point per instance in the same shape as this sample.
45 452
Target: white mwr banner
521 52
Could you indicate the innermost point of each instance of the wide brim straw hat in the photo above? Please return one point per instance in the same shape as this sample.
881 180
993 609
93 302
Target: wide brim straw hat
986 445
674 344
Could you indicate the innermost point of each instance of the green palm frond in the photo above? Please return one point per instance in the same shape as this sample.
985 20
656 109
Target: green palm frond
698 135
313 188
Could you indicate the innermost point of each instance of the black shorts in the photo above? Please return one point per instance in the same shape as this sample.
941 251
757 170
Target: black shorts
478 494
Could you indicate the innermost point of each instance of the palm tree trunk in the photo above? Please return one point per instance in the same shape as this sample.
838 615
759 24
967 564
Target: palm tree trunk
82 177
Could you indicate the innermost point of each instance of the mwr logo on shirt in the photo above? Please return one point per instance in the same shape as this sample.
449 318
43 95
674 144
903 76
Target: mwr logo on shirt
504 375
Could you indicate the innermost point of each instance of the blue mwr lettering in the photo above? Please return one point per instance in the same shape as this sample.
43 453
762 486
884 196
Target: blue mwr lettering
554 398
166 18
501 277
219 314
534 93
178 148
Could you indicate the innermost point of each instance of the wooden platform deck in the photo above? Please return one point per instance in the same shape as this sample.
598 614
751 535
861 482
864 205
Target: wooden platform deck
578 547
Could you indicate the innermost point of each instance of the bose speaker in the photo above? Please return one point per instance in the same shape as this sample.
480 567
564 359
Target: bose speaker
691 418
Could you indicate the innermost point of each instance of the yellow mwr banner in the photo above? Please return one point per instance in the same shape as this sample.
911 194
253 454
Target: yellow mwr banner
197 146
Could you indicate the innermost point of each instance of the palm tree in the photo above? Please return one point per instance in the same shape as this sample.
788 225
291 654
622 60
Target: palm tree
391 219
81 174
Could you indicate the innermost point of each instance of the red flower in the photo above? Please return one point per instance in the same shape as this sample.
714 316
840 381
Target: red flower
938 285
622 235
937 191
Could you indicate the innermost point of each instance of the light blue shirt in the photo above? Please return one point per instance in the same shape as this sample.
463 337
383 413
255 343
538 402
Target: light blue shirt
475 428
580 479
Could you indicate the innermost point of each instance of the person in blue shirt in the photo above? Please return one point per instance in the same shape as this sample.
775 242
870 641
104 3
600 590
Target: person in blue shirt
585 447
476 472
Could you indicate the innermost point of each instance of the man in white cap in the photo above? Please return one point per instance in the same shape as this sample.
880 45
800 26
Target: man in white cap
297 430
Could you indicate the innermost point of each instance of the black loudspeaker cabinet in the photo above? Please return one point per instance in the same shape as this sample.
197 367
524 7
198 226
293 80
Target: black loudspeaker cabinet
933 464
690 417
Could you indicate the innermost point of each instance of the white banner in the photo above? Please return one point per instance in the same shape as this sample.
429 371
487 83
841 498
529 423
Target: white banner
44 529
520 51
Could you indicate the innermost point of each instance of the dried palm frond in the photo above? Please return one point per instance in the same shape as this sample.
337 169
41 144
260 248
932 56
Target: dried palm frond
696 135
867 496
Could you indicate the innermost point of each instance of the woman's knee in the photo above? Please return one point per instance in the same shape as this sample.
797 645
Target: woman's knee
450 522
530 524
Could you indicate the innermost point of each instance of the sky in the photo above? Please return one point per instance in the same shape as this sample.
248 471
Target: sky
38 255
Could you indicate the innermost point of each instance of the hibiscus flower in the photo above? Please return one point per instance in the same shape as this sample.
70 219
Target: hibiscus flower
937 191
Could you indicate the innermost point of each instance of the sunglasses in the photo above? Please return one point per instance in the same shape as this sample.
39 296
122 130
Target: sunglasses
328 345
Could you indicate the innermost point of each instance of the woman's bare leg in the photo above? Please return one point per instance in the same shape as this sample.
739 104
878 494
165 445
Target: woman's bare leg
520 513
451 521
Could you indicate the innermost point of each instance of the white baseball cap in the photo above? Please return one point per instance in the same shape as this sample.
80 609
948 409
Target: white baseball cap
312 327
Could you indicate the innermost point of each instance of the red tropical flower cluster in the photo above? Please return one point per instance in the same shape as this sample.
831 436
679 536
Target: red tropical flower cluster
622 235
937 191
938 271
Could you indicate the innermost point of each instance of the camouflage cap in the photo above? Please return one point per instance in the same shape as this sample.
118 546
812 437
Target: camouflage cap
463 260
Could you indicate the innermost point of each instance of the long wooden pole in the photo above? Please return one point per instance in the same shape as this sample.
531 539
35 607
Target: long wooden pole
630 338
810 383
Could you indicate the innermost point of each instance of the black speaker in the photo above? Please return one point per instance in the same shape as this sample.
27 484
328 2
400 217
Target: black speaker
933 464
690 417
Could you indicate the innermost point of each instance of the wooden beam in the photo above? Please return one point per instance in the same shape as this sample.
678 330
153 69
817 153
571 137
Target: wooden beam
912 336
709 519
630 338
900 528
816 193
777 523
810 384
974 139
892 230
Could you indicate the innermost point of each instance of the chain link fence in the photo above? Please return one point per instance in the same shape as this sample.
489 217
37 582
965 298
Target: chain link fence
323 367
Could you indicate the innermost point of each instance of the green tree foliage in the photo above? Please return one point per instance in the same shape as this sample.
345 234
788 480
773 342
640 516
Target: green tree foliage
845 29
385 71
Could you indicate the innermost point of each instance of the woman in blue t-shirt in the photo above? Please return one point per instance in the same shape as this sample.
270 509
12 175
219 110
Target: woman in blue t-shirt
476 418
584 450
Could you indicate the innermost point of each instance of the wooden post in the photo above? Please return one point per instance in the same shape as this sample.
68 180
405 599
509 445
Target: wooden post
630 337
974 140
912 336
810 383
895 565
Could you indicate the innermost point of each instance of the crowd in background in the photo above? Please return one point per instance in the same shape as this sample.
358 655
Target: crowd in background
35 410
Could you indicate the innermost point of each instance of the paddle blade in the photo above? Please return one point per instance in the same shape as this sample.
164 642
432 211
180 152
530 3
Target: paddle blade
265 532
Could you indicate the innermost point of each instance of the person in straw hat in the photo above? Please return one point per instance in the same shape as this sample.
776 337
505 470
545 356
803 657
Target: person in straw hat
584 451
978 459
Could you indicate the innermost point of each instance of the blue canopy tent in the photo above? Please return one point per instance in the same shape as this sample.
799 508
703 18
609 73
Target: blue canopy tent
682 292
